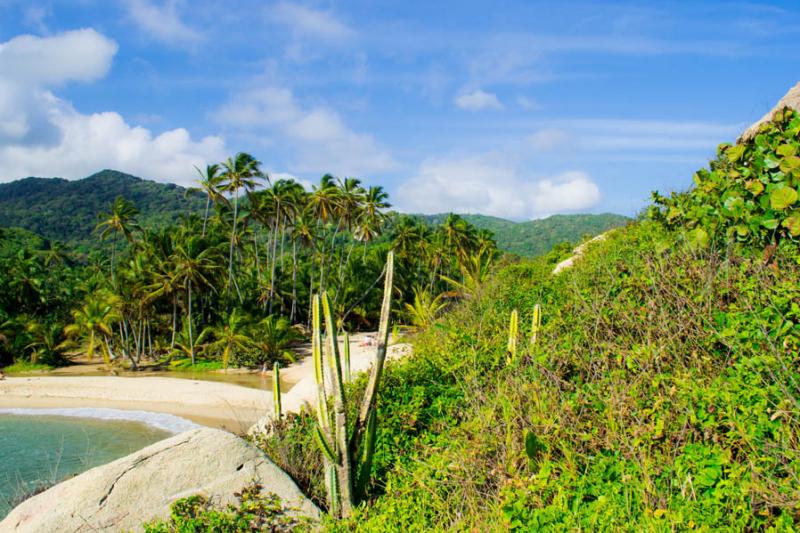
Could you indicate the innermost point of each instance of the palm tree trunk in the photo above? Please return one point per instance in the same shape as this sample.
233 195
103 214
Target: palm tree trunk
174 320
274 262
113 254
294 281
233 236
205 217
191 337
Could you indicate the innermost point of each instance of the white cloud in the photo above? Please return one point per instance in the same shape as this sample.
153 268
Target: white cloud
310 23
615 135
80 55
34 17
318 137
477 100
487 184
42 134
162 22
528 104
549 139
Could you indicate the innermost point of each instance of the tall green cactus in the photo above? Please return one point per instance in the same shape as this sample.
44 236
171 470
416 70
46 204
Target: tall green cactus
513 333
346 368
348 458
537 323
276 389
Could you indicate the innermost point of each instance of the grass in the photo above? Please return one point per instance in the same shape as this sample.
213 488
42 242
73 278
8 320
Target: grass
20 367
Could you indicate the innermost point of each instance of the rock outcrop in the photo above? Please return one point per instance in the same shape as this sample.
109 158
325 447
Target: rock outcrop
578 252
790 100
121 495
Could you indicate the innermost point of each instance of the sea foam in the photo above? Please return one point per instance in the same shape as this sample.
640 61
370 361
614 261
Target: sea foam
162 421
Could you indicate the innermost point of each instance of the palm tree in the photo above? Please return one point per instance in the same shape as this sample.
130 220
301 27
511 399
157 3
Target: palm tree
92 323
274 337
194 263
425 308
45 341
120 219
211 182
240 172
230 335
371 215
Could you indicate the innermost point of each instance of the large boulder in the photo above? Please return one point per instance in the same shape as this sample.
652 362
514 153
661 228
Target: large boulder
121 495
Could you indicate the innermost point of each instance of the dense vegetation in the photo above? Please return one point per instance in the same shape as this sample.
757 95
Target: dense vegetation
66 211
230 285
660 394
537 237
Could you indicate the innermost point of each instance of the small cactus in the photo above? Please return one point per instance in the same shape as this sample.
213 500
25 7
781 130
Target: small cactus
513 332
537 323
276 389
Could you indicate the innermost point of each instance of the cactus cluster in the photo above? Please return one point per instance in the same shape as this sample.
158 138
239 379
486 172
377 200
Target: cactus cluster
347 455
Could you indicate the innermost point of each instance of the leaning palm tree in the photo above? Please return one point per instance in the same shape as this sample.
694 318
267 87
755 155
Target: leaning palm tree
119 220
240 172
92 326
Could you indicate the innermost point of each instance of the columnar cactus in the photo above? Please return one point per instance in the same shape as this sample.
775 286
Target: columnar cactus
513 332
348 458
537 323
276 389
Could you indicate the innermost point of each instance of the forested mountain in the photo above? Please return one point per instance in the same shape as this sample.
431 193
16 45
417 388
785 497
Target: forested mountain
536 237
67 210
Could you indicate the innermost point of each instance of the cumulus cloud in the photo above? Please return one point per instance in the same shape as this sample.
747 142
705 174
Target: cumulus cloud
42 134
318 136
477 100
310 23
485 184
162 22
80 55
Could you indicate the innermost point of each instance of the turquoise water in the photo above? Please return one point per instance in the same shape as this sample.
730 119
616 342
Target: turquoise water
41 450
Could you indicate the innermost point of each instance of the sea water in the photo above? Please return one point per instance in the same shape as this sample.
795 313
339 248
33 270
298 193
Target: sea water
40 447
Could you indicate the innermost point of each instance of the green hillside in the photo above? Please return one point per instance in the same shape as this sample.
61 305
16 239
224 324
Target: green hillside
537 237
67 211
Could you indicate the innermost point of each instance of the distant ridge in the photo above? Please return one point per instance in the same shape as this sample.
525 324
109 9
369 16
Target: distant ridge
67 211
536 237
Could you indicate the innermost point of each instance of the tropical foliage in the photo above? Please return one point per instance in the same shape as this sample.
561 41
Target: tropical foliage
231 282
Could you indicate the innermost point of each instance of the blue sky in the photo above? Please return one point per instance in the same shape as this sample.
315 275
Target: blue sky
513 109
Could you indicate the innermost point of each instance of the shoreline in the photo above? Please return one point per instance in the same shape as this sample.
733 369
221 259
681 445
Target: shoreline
207 403
215 404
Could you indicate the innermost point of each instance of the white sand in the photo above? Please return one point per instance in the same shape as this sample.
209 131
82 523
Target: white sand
210 403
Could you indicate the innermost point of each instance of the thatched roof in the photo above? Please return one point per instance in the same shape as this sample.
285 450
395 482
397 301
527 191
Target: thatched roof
791 100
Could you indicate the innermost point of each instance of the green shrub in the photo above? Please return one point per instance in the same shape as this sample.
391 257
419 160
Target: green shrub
254 512
750 192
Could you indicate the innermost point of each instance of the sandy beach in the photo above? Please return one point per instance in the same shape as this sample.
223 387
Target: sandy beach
209 403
